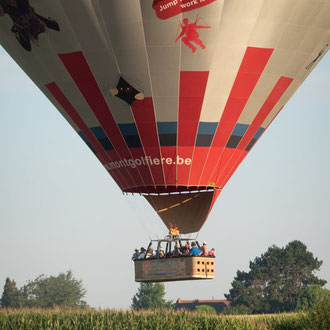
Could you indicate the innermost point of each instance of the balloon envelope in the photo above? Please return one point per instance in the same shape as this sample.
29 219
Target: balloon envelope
169 95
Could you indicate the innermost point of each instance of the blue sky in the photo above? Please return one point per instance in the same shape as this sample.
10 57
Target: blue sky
60 210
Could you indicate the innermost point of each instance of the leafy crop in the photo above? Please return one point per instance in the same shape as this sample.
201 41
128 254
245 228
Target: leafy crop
157 319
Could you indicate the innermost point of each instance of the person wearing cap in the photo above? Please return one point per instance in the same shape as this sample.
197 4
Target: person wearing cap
195 251
204 249
212 253
135 254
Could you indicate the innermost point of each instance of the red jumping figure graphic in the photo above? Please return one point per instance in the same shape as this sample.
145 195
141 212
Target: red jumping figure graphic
190 34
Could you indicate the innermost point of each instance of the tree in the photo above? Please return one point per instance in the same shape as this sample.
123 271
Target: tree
47 292
318 315
310 296
276 279
236 310
11 297
205 309
150 296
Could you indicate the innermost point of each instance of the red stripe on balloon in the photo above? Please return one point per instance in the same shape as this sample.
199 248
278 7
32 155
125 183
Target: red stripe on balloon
281 86
237 159
169 155
252 66
73 114
191 97
227 154
82 75
144 116
139 159
200 155
277 92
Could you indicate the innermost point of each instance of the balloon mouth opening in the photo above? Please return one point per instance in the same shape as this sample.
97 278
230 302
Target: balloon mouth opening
169 190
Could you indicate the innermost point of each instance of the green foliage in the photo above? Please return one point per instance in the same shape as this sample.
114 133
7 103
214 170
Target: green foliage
61 290
45 292
150 296
319 313
205 309
276 279
310 296
11 296
236 310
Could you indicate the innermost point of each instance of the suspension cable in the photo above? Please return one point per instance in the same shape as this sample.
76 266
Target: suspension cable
138 216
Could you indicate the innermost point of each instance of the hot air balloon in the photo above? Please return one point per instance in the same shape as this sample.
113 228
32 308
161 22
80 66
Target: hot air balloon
170 96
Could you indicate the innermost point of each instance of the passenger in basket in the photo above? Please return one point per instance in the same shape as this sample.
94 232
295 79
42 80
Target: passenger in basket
135 254
177 252
142 254
161 254
150 253
195 251
185 251
212 252
204 249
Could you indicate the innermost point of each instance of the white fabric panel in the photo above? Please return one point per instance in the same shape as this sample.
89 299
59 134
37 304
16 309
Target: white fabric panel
258 98
305 12
49 57
167 57
201 60
64 40
97 49
323 20
164 61
288 57
237 22
123 26
300 77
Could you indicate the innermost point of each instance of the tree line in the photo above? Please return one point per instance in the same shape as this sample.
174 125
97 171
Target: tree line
45 292
280 280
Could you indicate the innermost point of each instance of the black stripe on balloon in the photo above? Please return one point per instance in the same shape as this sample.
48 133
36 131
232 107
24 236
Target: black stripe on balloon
131 135
204 140
102 138
233 141
167 140
81 134
251 144
167 132
133 141
255 138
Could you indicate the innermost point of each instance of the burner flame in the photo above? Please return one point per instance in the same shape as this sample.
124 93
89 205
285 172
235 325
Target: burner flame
174 230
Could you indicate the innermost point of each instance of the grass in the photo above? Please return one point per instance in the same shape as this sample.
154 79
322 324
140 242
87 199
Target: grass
158 319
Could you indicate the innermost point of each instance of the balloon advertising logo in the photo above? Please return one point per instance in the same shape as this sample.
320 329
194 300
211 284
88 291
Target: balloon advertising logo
166 8
146 266
125 91
189 33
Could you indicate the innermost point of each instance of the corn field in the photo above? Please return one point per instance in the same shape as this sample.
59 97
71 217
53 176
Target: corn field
159 319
